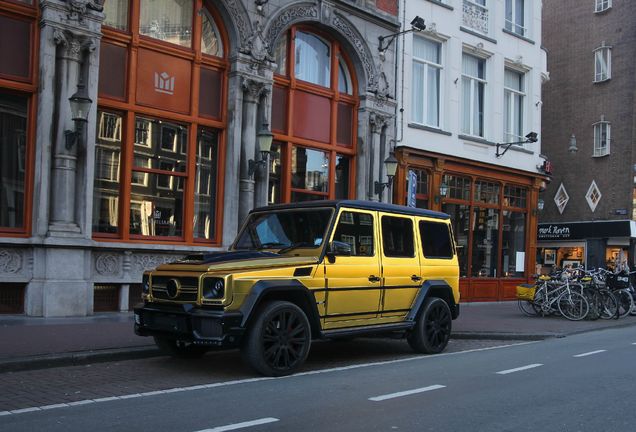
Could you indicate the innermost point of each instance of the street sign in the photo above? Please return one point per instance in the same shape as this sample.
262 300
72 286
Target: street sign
412 188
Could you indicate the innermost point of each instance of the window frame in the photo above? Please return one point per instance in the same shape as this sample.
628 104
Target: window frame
510 96
475 83
513 26
602 75
428 67
384 236
602 5
602 146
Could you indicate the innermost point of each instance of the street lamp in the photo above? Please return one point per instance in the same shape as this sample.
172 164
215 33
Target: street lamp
264 139
80 107
390 163
530 138
572 148
416 25
443 190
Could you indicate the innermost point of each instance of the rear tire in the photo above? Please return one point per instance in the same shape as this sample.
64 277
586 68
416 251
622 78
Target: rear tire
277 342
180 349
433 327
573 306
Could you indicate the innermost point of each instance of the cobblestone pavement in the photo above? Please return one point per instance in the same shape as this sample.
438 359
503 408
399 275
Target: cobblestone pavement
19 390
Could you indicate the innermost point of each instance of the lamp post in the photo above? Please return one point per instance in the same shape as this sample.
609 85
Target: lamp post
416 25
443 190
264 140
390 164
572 148
530 138
80 107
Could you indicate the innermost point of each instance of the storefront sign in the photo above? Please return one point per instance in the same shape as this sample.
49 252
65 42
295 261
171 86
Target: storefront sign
163 81
412 182
584 230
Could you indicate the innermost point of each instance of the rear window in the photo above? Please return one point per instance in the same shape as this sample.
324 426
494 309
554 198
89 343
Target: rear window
436 240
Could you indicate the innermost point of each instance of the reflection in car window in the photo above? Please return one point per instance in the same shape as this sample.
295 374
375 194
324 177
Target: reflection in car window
397 237
281 229
356 229
436 240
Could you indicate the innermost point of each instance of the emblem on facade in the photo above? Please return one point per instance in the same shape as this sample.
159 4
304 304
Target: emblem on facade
106 264
10 261
164 83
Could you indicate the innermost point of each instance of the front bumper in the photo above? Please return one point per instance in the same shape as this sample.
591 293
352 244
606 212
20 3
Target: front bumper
187 323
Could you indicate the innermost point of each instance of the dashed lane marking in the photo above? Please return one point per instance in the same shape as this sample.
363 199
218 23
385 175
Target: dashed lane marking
589 353
406 393
241 425
519 369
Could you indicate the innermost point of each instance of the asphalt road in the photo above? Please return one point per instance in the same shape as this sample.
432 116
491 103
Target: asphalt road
579 383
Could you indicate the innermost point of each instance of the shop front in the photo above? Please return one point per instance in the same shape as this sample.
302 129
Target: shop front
493 212
593 244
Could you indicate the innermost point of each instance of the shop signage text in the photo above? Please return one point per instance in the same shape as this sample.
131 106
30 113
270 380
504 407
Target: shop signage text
554 231
583 230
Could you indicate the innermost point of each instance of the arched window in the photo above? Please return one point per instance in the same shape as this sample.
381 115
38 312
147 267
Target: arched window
160 134
313 119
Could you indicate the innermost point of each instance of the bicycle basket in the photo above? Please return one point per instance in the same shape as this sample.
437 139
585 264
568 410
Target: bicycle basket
526 292
617 281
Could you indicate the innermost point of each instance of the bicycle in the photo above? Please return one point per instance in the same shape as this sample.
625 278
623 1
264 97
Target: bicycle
550 295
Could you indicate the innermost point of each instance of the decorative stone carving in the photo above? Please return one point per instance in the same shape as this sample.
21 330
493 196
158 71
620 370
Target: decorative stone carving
241 22
341 24
377 121
73 44
77 9
149 262
10 261
257 46
289 16
253 89
106 264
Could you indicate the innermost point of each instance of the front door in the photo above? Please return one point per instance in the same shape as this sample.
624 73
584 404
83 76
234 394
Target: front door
353 282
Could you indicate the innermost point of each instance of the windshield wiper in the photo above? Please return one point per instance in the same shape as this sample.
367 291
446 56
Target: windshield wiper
271 245
294 246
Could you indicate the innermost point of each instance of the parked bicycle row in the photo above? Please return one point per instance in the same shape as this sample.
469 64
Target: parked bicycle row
578 294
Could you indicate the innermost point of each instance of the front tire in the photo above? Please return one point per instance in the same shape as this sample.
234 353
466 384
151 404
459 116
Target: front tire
277 342
433 327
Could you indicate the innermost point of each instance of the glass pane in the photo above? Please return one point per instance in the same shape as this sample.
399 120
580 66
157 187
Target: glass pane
397 237
344 78
418 92
15 44
210 39
310 169
486 192
428 50
313 59
356 229
13 151
107 173
116 12
275 170
458 187
432 103
461 228
485 242
300 197
160 145
167 20
155 210
513 242
435 240
205 184
280 55
342 177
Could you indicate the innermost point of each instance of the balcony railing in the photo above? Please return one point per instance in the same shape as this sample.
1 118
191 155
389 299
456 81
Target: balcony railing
475 16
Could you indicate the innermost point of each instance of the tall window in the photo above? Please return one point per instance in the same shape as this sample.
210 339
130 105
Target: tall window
157 165
314 115
602 132
515 17
602 64
601 5
514 97
427 71
473 95
18 92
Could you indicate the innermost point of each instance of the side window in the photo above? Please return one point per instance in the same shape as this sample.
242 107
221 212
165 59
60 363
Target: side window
436 240
397 237
356 229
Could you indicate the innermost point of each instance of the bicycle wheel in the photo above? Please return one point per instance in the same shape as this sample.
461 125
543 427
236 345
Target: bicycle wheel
527 307
625 302
594 301
608 304
573 306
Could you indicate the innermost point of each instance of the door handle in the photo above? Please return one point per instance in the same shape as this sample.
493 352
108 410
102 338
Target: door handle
374 278
416 278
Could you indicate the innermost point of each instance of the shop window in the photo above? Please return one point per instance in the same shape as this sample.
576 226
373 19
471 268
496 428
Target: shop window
515 196
344 77
12 298
116 12
205 184
397 237
485 244
313 59
309 174
211 43
15 44
486 192
280 55
105 298
460 221
210 93
342 177
458 187
513 244
422 179
13 160
275 174
593 196
167 20
561 198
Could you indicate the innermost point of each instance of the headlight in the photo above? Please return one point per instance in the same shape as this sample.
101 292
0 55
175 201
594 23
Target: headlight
145 284
213 288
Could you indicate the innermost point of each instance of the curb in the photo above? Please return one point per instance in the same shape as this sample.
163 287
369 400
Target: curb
76 358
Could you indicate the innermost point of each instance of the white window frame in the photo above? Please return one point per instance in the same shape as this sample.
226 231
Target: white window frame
602 147
513 26
475 82
602 5
601 75
588 196
428 66
510 95
561 198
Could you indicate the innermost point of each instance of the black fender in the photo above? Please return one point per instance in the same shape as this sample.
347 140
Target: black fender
435 288
287 290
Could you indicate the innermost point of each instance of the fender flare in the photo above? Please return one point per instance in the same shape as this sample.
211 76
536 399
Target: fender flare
423 294
279 288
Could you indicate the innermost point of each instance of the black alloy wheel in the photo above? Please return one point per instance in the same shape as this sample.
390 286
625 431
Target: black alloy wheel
432 329
278 341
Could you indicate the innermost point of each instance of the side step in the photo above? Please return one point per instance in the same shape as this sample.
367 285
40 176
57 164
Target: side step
360 331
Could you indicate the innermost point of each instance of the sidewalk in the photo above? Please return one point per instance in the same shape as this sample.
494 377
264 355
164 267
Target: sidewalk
33 343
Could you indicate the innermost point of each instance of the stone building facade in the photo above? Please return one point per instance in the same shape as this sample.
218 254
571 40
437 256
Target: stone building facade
167 161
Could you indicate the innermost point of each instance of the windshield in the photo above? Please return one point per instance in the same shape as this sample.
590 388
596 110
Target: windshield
285 230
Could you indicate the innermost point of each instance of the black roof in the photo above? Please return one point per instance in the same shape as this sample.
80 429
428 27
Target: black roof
358 204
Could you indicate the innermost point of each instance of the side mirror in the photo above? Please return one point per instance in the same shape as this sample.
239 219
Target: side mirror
338 248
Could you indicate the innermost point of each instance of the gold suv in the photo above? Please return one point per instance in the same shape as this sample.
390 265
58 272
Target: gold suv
304 271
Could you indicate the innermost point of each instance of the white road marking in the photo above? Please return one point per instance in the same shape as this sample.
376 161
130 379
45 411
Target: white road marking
522 368
589 353
405 393
241 425
259 379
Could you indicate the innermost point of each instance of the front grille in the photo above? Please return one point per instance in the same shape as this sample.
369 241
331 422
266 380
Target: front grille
188 290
